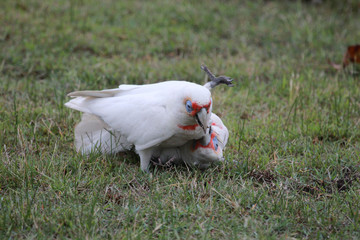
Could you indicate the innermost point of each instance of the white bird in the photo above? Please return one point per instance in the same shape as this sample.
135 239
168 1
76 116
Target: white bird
202 152
147 117
166 114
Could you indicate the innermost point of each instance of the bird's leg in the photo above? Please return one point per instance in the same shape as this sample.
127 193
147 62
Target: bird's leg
214 81
158 162
210 74
171 160
145 157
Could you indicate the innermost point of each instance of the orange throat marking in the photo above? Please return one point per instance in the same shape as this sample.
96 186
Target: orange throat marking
210 144
188 127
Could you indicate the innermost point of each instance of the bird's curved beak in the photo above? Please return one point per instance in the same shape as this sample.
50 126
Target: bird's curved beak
205 140
202 119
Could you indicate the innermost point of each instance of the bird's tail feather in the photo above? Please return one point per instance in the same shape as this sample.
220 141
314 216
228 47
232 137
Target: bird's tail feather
83 99
79 104
93 134
96 94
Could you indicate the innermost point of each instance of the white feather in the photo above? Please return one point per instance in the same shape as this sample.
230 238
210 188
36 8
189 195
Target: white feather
93 134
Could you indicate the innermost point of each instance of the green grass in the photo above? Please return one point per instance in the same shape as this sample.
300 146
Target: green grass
292 166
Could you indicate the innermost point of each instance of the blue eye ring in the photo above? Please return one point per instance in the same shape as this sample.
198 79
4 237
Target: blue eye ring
188 106
215 143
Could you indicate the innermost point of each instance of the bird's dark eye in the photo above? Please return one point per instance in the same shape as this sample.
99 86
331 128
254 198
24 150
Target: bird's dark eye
210 130
216 143
188 106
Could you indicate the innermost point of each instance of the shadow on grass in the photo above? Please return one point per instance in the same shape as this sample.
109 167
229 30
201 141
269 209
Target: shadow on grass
312 185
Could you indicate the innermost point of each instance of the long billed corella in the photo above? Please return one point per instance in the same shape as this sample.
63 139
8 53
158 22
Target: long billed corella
201 152
154 119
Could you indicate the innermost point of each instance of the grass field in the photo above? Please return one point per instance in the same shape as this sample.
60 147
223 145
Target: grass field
291 169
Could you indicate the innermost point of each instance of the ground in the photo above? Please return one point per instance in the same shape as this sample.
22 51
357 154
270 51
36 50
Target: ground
292 163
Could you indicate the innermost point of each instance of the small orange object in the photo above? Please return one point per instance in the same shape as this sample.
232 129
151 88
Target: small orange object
352 55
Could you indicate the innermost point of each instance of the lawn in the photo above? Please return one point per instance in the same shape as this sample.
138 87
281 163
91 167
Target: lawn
292 164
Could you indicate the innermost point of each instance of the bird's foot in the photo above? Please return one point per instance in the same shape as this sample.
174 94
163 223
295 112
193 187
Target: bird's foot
214 81
157 162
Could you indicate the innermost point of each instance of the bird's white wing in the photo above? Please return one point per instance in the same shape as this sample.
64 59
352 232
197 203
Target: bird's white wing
148 126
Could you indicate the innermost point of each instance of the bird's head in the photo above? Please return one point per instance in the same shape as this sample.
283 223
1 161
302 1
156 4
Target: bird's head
210 148
197 110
